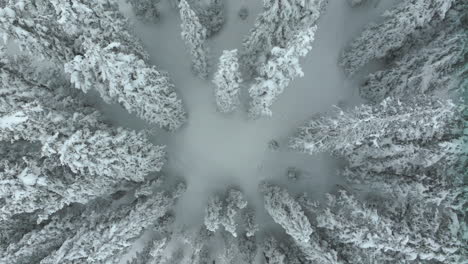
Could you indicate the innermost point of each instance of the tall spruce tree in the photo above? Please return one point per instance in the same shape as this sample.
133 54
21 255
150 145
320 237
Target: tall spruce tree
227 80
194 34
278 71
392 127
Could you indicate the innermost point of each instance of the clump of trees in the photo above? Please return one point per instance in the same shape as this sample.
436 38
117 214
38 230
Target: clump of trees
91 42
403 154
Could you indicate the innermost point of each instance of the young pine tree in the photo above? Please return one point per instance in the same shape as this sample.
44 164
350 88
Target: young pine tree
194 34
210 13
278 71
227 80
128 80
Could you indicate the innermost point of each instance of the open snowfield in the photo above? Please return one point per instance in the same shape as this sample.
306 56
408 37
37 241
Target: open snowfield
214 151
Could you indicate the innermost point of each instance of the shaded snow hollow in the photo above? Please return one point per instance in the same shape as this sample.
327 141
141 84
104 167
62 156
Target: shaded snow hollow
213 151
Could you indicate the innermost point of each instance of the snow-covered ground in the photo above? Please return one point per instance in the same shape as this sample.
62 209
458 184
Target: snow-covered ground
213 151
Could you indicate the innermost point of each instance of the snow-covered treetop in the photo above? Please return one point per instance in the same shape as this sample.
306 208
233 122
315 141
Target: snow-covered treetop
276 25
194 34
128 80
224 213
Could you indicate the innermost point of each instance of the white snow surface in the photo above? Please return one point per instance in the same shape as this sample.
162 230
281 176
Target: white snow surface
8 121
28 178
214 151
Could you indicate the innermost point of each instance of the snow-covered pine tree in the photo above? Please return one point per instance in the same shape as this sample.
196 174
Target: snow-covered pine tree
424 120
287 212
400 24
66 40
278 71
128 80
434 67
276 25
38 29
227 80
145 9
219 213
84 147
234 203
105 238
194 34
